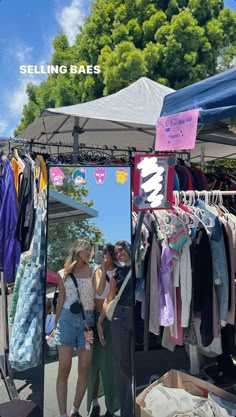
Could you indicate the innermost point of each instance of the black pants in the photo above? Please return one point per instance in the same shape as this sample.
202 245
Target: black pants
121 330
228 347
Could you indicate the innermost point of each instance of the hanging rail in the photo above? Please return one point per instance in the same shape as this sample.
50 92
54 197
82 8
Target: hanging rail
213 193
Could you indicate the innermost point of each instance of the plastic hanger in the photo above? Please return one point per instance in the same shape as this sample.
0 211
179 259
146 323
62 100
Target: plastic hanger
221 206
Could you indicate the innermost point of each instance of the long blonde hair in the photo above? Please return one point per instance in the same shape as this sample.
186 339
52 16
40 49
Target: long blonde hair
73 258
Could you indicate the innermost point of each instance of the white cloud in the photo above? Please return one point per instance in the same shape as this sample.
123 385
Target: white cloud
18 98
3 127
71 17
21 52
11 112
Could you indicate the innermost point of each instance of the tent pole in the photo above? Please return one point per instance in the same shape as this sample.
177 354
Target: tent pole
203 149
76 140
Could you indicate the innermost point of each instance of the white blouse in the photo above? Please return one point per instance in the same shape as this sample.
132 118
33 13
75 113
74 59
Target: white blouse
86 291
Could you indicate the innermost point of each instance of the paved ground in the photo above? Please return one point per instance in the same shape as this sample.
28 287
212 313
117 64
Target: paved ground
29 384
50 402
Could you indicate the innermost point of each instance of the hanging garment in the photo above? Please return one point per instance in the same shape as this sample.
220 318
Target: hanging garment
153 277
227 252
185 283
174 284
178 340
190 336
26 218
19 276
166 303
17 170
25 259
202 273
178 238
25 348
220 270
231 313
43 173
9 246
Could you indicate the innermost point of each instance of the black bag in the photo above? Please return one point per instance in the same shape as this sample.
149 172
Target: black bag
55 298
77 306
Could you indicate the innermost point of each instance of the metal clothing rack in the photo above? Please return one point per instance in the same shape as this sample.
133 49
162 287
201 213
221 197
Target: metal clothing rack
204 193
193 350
5 368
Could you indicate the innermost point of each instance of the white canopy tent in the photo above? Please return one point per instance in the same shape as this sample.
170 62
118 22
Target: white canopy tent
126 119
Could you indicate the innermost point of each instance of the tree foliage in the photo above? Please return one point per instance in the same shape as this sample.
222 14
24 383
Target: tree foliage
62 235
176 42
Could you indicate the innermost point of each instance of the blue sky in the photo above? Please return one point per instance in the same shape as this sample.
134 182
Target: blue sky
112 201
27 28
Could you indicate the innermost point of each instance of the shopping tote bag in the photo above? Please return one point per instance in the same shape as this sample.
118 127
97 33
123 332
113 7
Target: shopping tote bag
25 347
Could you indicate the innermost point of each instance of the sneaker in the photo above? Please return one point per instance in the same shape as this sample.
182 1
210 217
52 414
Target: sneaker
95 411
76 414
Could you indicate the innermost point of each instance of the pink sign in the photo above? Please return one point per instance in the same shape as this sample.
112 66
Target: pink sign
177 131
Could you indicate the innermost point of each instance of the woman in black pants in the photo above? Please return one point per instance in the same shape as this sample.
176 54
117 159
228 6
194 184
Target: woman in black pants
121 328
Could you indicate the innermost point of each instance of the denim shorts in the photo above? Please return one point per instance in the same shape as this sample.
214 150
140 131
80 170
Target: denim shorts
71 327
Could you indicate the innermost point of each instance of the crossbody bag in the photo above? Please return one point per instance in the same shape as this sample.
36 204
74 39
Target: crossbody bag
77 308
112 305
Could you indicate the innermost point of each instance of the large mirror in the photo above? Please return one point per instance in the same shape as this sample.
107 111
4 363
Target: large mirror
88 345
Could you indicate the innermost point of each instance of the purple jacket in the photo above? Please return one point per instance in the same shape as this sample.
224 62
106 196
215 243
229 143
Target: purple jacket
9 246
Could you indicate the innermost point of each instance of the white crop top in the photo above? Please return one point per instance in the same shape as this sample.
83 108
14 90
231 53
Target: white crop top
86 292
107 286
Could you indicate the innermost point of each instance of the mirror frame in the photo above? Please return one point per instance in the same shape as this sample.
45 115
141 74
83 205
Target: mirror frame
90 158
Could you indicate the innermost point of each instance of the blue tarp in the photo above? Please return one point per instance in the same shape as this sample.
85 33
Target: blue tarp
215 96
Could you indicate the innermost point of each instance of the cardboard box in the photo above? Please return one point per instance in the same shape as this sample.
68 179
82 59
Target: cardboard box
177 379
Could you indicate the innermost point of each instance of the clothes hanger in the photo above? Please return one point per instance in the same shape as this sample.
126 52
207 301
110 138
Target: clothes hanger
28 156
190 204
182 214
18 159
221 204
202 214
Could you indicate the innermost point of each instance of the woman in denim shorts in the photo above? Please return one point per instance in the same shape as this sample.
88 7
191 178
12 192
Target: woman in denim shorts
70 329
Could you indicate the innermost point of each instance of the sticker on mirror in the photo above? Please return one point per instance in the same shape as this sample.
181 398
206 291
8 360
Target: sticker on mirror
100 175
121 176
79 176
57 176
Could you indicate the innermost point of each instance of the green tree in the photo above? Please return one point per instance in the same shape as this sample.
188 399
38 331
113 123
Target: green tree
176 42
62 235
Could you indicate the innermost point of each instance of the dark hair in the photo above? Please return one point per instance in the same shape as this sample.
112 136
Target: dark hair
125 245
111 250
